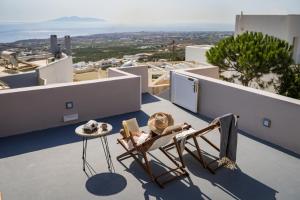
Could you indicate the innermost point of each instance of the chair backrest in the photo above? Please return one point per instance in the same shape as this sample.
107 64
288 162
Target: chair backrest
130 125
166 137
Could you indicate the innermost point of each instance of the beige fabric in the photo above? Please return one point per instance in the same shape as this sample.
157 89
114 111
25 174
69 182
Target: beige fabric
167 136
138 140
159 121
185 134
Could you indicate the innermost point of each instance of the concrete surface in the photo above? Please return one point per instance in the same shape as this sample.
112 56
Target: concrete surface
47 165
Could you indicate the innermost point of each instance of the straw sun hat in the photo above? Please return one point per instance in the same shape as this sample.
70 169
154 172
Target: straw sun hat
159 121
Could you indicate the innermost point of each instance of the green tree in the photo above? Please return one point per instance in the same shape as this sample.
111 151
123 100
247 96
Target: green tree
251 55
289 82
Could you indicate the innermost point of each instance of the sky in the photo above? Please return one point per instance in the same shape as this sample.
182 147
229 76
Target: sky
144 11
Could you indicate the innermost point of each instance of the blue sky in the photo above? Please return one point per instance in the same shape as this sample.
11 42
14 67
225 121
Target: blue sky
144 11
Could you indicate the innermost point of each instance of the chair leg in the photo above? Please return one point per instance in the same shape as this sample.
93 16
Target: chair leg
199 151
145 165
148 167
121 157
179 152
197 157
210 143
179 171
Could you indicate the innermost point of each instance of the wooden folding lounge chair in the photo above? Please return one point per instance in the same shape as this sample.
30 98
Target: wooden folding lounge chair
152 142
193 134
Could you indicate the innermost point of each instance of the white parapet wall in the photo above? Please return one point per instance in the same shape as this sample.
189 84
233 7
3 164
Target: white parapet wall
218 97
41 107
60 71
197 53
141 71
209 71
285 27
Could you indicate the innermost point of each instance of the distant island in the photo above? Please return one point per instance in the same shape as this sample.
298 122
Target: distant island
77 19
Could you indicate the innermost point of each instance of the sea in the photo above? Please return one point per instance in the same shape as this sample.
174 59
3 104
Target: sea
14 31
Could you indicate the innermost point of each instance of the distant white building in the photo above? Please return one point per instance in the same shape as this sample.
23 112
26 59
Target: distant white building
286 27
197 53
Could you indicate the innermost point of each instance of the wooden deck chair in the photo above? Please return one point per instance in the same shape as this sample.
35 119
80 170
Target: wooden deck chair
149 143
192 134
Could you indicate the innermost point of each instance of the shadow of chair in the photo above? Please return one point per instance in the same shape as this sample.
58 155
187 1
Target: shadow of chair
148 98
235 183
181 189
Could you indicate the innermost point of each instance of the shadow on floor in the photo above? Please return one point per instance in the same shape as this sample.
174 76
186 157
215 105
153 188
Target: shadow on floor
177 189
38 140
235 183
148 98
106 184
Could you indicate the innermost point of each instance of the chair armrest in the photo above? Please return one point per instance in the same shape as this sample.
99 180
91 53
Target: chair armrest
186 126
122 132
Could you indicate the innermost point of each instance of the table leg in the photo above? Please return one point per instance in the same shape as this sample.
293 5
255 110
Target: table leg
107 154
84 147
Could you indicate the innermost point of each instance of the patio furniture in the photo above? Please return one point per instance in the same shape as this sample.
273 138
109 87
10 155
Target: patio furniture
192 134
149 142
99 133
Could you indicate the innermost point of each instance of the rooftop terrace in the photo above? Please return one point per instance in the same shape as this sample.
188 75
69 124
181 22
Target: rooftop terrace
47 165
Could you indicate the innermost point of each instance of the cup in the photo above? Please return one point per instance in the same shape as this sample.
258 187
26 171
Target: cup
104 126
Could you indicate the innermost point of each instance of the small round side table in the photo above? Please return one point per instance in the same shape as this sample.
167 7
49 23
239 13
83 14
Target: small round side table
102 134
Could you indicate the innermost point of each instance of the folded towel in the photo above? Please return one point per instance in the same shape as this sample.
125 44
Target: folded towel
181 137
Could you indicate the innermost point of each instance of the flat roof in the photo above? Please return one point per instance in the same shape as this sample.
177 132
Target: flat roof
200 46
47 164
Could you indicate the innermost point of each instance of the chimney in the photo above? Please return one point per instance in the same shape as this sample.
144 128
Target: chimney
68 45
53 44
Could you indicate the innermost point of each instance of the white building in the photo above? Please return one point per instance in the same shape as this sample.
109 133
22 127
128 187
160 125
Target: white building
197 53
286 27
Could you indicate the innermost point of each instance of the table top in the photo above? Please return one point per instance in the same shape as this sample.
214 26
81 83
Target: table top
99 133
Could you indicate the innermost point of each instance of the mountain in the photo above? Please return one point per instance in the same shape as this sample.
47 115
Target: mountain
77 19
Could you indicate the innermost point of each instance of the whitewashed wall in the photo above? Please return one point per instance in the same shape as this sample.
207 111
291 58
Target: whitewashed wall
218 97
60 71
197 53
